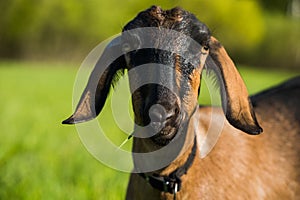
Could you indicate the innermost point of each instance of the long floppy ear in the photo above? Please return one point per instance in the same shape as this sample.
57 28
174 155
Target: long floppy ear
235 101
97 89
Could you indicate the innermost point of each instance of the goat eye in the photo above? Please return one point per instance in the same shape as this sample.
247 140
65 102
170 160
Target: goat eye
204 49
179 17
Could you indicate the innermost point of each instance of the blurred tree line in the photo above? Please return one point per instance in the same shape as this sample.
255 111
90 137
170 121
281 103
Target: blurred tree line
255 32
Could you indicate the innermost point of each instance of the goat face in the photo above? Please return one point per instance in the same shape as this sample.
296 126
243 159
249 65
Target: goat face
171 74
168 96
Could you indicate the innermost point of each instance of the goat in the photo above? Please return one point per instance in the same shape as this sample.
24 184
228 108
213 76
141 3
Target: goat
240 166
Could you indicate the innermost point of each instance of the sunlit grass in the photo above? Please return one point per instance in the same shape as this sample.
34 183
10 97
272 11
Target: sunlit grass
39 157
42 159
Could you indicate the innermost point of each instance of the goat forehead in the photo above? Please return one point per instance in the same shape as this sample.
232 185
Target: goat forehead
174 30
176 18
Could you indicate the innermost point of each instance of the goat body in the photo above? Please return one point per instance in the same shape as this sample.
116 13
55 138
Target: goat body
240 166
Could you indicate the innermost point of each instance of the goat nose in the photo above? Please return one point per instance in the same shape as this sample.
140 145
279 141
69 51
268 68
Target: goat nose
158 115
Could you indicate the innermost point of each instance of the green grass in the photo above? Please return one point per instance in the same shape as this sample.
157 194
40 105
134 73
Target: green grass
39 157
42 159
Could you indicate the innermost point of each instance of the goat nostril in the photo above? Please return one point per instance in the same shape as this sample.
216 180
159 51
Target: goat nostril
156 115
156 126
160 117
156 120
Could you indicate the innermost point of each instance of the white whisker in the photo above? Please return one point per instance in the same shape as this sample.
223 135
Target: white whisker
125 141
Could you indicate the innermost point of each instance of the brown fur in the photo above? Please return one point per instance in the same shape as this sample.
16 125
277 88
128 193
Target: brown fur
240 166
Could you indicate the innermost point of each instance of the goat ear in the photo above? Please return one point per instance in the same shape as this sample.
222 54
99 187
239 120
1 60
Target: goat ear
235 101
97 89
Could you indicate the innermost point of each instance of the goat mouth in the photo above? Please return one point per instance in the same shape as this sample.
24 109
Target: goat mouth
167 133
164 136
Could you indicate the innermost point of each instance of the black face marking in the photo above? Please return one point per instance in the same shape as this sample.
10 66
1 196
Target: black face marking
180 21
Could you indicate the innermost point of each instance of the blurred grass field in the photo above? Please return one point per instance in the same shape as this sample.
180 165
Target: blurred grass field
42 159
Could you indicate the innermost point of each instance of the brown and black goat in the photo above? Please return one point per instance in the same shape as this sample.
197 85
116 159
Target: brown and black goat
240 166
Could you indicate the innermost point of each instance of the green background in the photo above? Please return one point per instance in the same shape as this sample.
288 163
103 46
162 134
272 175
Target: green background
42 44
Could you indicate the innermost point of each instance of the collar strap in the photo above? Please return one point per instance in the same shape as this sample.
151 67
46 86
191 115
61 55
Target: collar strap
171 183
